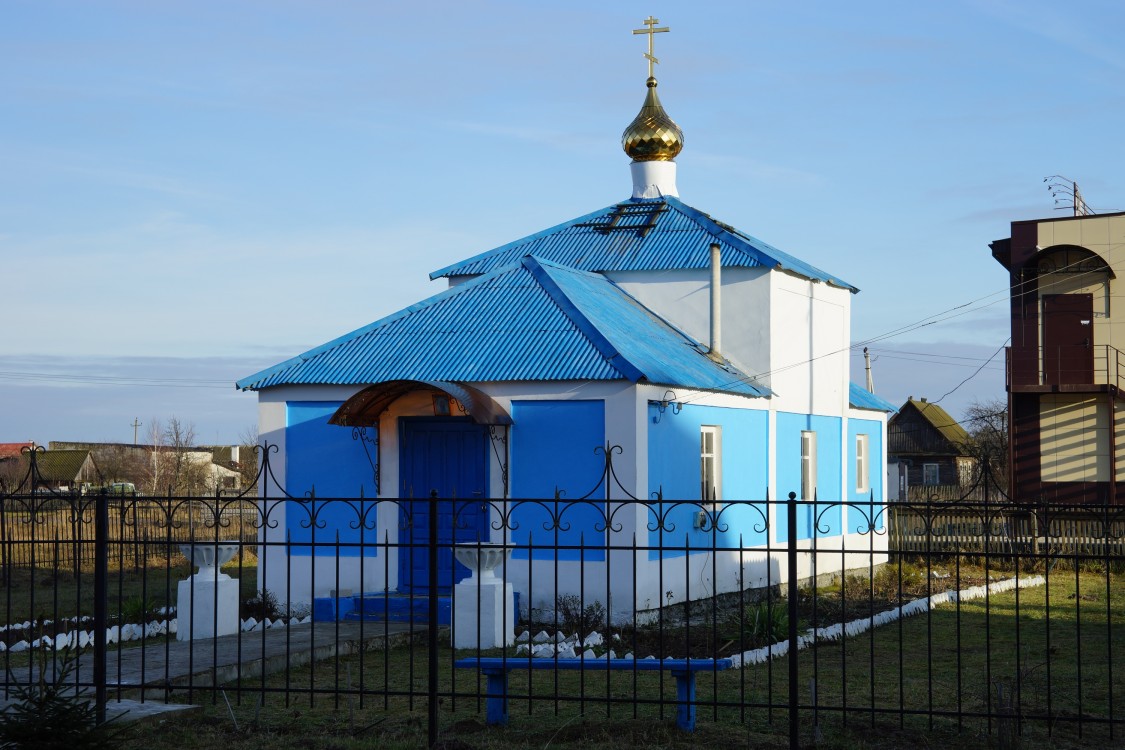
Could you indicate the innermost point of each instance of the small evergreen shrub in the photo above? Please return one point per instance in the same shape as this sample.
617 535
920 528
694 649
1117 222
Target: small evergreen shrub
51 715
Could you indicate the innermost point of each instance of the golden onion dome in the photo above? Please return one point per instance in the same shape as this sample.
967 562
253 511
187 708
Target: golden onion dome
652 135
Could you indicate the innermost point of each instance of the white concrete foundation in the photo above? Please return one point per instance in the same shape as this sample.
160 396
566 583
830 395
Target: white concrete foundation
197 603
483 615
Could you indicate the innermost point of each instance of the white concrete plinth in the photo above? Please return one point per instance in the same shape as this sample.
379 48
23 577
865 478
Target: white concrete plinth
483 610
206 593
483 615
197 603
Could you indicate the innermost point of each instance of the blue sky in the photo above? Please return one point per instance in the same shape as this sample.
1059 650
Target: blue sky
194 191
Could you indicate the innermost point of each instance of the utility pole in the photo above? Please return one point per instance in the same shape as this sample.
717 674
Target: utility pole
136 424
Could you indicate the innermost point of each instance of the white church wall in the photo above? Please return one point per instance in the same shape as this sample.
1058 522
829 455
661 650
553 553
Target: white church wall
811 335
683 297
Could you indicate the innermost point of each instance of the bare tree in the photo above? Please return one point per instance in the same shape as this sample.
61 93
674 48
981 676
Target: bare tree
155 480
248 457
121 463
13 474
189 471
176 465
986 421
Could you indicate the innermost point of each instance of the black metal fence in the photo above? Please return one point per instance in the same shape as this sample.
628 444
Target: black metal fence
773 617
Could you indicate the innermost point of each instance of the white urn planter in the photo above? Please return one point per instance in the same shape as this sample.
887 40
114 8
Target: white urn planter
209 557
207 602
483 611
482 559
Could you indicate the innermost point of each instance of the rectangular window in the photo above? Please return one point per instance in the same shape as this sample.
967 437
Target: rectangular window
808 465
930 474
710 463
862 480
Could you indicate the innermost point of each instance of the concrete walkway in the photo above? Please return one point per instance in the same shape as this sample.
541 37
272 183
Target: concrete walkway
215 661
159 665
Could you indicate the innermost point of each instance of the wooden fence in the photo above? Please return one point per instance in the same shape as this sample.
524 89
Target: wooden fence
926 527
58 533
979 493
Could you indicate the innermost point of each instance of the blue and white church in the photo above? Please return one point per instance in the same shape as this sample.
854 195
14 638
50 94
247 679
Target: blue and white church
714 365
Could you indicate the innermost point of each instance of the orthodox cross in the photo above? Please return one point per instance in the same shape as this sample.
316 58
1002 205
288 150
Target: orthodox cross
652 31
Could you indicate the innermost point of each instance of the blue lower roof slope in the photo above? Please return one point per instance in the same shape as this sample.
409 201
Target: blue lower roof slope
532 320
862 399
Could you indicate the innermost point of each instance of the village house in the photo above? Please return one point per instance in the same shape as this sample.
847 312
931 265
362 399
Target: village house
62 471
934 447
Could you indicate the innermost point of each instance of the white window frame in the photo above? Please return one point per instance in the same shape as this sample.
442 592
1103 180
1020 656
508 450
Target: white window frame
862 463
937 475
711 464
808 464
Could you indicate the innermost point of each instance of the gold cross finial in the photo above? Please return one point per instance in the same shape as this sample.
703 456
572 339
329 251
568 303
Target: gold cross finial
652 31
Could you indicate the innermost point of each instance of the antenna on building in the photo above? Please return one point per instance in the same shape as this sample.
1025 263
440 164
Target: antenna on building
1067 195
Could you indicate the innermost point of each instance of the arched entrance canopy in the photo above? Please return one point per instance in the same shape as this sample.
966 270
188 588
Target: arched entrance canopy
364 408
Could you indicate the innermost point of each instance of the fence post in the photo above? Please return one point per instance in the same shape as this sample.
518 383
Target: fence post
432 550
101 600
794 714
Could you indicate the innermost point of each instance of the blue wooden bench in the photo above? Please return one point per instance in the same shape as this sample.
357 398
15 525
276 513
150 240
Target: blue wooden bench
497 669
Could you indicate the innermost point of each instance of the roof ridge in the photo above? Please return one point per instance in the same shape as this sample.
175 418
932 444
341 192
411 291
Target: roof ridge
521 240
737 376
751 250
746 243
571 310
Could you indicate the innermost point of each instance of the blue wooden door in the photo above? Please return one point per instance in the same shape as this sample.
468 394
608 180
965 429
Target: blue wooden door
448 457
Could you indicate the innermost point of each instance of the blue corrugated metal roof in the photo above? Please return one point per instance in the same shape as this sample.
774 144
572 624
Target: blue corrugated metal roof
860 398
640 235
530 321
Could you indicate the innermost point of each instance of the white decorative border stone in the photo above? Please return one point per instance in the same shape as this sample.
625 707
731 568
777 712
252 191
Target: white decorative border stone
80 639
863 624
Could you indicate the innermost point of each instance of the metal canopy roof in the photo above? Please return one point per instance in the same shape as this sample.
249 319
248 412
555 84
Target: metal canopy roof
641 235
530 321
363 409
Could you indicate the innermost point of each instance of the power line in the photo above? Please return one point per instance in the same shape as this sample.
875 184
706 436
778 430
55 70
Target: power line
966 380
933 319
47 377
938 362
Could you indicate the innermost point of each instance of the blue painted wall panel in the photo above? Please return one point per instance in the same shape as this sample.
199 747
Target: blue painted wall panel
324 457
865 513
674 468
554 446
823 516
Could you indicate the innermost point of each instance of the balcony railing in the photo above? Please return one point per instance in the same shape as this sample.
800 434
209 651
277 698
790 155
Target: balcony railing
1075 365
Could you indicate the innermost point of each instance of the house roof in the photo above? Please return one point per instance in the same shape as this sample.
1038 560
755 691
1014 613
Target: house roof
641 235
941 421
859 398
12 450
61 466
532 320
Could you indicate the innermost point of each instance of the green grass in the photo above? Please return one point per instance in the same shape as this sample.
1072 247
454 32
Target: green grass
952 660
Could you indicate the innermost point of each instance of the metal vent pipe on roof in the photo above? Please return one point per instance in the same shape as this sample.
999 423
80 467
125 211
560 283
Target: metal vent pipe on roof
716 303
